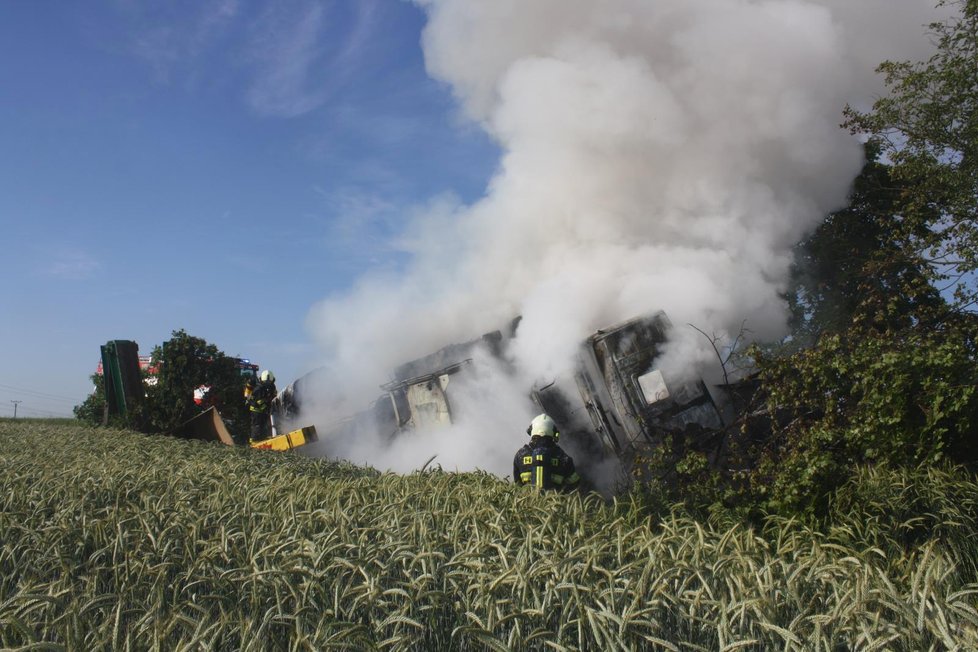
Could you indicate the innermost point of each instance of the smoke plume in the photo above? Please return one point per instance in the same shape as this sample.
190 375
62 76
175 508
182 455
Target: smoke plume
656 155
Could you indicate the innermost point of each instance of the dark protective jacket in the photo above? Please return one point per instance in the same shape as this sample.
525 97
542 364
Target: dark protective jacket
260 404
543 464
262 396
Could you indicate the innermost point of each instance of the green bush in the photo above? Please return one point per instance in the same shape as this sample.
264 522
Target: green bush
900 399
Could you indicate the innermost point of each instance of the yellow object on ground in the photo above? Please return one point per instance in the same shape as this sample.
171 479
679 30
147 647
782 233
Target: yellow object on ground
288 441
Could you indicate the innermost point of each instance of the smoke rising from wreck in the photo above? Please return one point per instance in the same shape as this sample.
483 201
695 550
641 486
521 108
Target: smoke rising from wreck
656 155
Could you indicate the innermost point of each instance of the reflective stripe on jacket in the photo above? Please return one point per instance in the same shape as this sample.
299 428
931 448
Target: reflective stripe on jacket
261 397
543 464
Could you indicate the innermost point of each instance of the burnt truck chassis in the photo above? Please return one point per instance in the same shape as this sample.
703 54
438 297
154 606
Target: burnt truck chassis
628 402
619 406
614 406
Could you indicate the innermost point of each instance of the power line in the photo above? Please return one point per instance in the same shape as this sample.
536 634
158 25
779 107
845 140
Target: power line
11 406
41 413
51 415
32 392
25 409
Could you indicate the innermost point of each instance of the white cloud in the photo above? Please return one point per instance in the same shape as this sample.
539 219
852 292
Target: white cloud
284 48
69 264
300 58
166 39
290 55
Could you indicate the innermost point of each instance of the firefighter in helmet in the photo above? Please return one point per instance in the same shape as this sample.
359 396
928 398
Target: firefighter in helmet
260 405
542 463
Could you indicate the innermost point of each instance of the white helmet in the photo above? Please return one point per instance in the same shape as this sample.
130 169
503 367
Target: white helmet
267 376
543 426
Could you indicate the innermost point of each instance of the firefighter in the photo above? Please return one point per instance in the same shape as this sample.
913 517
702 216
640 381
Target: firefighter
542 463
260 405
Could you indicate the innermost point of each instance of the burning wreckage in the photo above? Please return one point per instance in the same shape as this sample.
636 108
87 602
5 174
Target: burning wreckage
615 406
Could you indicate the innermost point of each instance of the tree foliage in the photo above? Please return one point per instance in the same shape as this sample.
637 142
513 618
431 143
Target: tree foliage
896 398
186 363
927 128
888 375
857 270
92 409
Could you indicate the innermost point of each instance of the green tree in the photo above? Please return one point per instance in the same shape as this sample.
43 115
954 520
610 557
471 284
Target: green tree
904 398
927 128
856 269
92 409
890 373
185 364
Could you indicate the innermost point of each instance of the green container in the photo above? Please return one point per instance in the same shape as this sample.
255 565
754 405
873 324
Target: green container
123 384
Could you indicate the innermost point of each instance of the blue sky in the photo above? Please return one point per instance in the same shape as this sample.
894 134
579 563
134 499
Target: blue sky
215 166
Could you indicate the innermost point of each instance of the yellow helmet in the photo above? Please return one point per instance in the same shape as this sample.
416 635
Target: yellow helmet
267 376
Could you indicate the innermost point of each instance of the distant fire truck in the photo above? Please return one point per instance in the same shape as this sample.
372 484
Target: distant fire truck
145 365
149 370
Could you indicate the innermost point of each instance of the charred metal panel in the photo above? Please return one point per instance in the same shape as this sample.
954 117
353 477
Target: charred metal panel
401 406
446 357
429 404
423 401
564 404
628 397
598 402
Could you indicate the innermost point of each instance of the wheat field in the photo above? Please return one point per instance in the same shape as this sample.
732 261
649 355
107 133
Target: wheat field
112 540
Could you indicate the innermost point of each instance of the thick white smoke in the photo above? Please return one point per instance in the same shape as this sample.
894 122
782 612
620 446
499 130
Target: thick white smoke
657 154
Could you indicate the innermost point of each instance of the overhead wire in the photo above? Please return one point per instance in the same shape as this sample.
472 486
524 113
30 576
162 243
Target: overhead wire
31 392
26 409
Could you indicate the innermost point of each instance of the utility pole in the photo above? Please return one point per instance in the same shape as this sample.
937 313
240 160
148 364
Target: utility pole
15 407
